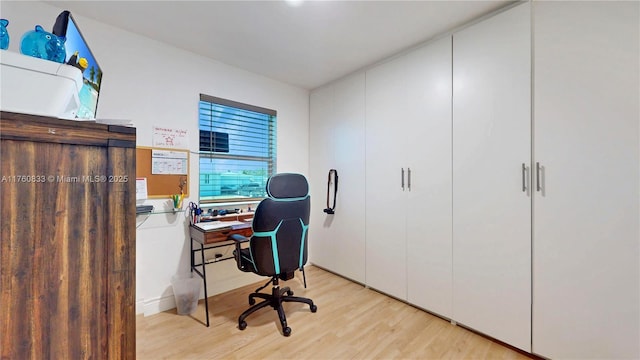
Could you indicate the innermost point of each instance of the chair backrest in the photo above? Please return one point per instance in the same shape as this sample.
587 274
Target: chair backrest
280 223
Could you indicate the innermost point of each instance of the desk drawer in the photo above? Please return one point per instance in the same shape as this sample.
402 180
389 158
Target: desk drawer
223 235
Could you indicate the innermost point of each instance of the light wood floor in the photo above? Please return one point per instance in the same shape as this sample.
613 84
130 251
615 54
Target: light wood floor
352 322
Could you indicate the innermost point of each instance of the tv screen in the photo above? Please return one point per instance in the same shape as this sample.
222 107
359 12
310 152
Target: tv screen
80 56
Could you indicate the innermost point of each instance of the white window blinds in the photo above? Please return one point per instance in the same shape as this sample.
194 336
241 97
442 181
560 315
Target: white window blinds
237 149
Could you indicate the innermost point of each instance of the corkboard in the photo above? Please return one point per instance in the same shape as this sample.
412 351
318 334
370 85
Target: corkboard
160 186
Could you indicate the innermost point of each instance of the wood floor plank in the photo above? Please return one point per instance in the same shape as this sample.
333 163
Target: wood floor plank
352 322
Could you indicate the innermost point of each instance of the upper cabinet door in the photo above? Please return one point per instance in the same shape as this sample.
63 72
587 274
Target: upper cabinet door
429 160
586 233
491 156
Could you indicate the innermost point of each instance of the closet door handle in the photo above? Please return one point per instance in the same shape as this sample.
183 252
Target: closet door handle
524 177
538 187
409 178
402 178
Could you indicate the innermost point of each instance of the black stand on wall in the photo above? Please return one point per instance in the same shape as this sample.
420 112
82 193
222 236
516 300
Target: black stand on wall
333 173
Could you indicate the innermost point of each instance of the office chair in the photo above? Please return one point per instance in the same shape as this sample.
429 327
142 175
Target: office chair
278 246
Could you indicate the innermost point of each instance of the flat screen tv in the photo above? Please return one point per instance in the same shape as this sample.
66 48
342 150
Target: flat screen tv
78 49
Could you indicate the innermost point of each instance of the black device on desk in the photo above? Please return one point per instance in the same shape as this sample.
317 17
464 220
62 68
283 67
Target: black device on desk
212 215
217 212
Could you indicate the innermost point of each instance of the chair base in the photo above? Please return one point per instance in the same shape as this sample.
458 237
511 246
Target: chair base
275 300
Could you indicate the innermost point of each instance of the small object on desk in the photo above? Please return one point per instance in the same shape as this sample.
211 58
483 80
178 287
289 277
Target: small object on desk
226 211
194 213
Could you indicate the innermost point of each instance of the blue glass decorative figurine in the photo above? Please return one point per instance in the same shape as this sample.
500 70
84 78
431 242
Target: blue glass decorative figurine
4 34
44 45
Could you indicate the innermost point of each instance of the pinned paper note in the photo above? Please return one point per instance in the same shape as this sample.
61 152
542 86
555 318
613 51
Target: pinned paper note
141 188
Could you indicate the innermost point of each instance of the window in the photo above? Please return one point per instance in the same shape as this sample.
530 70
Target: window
237 149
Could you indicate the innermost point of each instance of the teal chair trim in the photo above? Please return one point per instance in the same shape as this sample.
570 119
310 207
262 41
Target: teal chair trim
274 245
302 244
289 199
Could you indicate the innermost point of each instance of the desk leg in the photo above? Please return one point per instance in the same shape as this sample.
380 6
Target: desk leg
204 278
193 264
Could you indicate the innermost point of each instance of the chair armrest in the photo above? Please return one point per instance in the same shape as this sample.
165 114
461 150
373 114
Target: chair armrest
239 239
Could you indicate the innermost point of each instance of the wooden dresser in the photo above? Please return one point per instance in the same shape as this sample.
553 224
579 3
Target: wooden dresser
67 252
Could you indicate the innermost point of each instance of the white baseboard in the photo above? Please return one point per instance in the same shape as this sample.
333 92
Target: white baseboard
139 307
155 305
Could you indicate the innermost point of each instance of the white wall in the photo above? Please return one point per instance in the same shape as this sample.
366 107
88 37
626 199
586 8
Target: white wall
152 83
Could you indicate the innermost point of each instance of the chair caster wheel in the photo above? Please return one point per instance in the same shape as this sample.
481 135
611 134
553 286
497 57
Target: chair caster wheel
286 331
242 325
290 293
314 308
252 301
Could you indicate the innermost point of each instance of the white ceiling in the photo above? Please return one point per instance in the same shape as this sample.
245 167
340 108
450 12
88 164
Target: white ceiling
306 44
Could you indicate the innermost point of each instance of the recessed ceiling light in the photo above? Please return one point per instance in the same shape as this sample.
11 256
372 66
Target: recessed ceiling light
294 3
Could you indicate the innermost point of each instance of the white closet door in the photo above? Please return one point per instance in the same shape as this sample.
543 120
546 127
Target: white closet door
386 128
321 158
429 157
337 241
491 142
349 147
586 235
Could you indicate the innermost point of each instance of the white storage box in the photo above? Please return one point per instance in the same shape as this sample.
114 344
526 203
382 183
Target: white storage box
37 86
